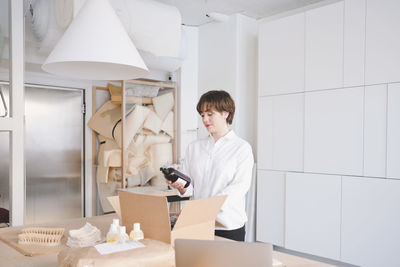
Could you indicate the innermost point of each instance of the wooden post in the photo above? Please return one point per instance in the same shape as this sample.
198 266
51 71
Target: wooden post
175 143
94 154
123 143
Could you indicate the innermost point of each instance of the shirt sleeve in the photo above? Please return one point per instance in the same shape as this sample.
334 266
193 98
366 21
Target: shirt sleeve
241 181
186 170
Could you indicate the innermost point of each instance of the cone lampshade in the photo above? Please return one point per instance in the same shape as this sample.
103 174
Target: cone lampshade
96 47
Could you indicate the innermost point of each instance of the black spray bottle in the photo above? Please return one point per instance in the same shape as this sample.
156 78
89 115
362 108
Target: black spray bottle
176 176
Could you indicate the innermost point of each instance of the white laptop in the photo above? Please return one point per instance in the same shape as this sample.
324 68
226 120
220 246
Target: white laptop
217 253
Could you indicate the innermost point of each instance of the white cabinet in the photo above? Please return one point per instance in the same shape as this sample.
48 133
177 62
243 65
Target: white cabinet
313 214
281 132
264 135
370 222
354 43
375 130
281 55
288 125
382 63
324 47
393 135
333 131
270 207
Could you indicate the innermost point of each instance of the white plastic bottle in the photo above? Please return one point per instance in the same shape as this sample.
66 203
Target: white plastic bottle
113 234
123 236
116 222
136 233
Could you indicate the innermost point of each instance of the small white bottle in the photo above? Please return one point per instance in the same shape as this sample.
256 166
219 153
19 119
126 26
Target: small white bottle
113 234
123 236
136 234
116 222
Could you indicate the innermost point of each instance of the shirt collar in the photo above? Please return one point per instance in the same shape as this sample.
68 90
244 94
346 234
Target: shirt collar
230 135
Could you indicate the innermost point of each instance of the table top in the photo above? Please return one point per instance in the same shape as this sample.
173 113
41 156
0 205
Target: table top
11 257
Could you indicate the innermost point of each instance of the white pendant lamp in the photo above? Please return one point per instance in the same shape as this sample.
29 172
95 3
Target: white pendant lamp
96 47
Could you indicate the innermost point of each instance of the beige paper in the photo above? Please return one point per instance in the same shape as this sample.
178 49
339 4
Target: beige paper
102 174
112 158
114 90
160 155
114 174
105 118
163 104
135 163
168 124
134 180
102 169
153 122
143 142
133 123
114 202
107 190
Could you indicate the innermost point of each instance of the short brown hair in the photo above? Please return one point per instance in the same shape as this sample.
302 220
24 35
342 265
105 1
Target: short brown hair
219 100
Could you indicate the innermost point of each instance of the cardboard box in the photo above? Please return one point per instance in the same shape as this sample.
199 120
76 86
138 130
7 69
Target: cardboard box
196 221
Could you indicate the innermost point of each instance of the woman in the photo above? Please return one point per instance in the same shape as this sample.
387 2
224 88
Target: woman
220 164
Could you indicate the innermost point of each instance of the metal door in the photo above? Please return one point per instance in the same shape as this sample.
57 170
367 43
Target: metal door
54 142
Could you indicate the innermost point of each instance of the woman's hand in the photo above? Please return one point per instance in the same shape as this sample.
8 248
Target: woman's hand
180 187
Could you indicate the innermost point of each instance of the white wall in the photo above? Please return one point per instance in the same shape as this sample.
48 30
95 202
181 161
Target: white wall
188 90
227 61
329 131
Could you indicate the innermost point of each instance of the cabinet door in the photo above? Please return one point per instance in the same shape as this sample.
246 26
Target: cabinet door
393 135
382 63
324 47
333 131
354 43
288 129
281 56
313 214
375 130
270 207
264 136
370 222
280 132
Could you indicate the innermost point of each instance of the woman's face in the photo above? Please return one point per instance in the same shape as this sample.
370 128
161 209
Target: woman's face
214 121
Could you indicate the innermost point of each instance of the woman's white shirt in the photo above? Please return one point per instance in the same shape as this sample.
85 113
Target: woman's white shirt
221 168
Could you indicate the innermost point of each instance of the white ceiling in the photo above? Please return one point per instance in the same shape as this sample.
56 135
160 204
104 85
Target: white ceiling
194 11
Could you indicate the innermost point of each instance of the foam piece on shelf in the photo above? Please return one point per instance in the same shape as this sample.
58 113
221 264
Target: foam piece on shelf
134 180
112 158
163 104
159 155
107 190
135 164
153 122
105 118
133 123
168 124
102 169
143 142
114 174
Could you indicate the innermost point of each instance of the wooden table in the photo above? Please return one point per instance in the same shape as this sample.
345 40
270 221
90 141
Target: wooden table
11 257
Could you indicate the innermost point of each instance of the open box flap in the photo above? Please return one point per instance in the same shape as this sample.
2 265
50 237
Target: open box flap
203 231
114 201
199 211
150 211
